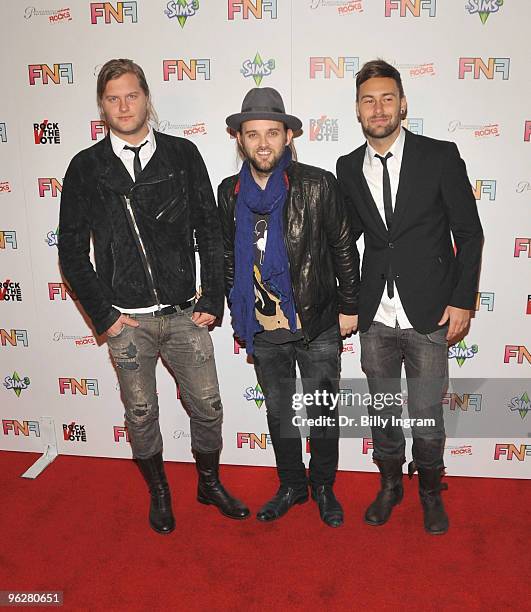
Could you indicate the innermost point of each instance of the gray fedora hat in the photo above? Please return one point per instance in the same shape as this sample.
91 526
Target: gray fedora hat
263 103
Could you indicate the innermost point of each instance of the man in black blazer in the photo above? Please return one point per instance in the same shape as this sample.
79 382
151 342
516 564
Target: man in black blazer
408 195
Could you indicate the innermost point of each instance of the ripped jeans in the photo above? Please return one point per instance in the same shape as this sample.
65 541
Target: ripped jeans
188 352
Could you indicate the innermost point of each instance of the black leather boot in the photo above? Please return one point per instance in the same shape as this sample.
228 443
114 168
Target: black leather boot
390 494
283 500
330 509
210 491
160 513
430 487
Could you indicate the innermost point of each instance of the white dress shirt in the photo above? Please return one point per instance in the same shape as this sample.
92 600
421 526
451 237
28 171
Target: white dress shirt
390 311
127 157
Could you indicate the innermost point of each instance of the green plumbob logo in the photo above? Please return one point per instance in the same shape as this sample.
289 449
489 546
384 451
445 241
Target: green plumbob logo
257 68
256 394
16 383
522 405
483 7
460 352
181 9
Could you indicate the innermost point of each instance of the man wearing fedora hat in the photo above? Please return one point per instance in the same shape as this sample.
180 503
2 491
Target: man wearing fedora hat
290 281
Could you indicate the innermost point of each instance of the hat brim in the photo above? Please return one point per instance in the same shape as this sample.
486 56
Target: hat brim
234 121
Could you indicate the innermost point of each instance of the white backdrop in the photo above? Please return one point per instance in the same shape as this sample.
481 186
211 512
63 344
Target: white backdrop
466 76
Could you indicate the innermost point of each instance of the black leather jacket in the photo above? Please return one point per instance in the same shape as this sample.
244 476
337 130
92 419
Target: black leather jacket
142 232
324 266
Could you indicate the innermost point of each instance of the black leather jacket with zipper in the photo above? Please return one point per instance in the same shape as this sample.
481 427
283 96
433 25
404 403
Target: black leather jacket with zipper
143 232
324 264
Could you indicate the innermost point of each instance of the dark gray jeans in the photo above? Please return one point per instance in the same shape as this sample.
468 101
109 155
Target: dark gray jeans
187 350
425 358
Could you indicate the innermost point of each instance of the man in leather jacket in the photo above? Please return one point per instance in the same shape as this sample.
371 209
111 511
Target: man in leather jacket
141 195
291 284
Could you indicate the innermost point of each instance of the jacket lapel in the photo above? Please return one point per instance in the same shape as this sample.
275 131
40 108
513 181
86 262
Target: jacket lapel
366 192
408 169
114 173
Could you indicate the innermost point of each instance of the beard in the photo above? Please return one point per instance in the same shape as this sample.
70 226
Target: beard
381 131
131 127
265 166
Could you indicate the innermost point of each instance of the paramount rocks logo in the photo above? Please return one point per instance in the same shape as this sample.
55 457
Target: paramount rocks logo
181 10
417 70
483 8
254 394
16 383
522 405
54 15
257 68
74 432
10 291
479 130
344 7
184 129
523 186
60 336
324 129
460 451
460 352
46 133
5 187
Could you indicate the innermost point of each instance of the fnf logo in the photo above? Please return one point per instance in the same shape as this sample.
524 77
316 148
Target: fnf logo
484 299
120 433
109 12
414 124
485 187
518 352
83 386
238 347
527 131
14 337
509 451
191 70
252 440
49 185
416 8
463 402
8 237
98 129
3 132
366 446
46 75
60 289
477 67
46 133
74 432
26 428
258 9
326 66
528 309
522 245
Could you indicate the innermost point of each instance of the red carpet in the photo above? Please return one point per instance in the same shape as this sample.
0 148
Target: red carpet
81 527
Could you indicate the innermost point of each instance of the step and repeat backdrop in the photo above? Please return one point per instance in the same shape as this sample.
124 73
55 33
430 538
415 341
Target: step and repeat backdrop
465 67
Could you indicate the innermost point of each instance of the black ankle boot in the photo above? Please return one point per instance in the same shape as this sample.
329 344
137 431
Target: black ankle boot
281 502
430 487
330 509
390 494
160 512
211 491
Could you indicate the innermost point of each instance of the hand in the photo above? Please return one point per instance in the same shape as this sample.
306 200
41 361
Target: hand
459 322
348 324
119 324
203 319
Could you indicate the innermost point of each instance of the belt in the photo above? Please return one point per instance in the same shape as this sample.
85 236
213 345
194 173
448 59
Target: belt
170 309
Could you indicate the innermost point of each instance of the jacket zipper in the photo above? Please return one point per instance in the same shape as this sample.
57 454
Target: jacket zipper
140 244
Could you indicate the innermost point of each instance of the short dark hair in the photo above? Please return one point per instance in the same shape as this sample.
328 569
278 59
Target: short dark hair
378 68
114 69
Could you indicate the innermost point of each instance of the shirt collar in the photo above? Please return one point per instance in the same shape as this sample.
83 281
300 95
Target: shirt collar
397 149
118 143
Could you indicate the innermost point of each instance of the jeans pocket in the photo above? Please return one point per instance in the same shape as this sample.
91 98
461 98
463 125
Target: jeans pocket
438 336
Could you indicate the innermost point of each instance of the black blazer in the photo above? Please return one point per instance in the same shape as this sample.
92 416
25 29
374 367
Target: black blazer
434 198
